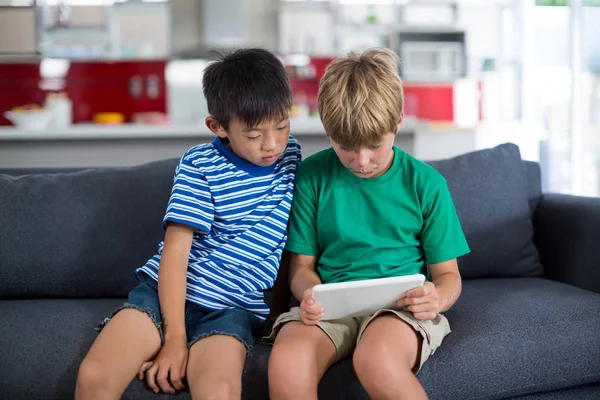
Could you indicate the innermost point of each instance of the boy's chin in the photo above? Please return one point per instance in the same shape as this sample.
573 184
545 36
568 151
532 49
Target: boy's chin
364 175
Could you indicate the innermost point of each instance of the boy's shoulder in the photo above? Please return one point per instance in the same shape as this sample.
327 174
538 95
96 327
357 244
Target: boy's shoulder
293 142
422 172
293 150
200 155
316 164
423 178
314 170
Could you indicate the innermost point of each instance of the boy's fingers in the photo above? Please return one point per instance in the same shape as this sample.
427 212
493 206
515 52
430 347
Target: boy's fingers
183 369
408 301
176 381
151 378
163 381
308 318
310 314
419 308
416 292
311 309
143 369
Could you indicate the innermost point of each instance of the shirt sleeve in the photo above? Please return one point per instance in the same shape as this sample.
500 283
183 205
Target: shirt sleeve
191 201
302 236
442 236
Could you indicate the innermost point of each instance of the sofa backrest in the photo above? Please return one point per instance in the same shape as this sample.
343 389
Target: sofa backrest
81 233
534 184
495 200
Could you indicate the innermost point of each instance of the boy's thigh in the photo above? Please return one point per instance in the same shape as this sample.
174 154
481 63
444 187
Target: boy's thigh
342 332
238 324
143 297
430 332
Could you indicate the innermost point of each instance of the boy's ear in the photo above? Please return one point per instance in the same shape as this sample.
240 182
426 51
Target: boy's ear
399 122
215 127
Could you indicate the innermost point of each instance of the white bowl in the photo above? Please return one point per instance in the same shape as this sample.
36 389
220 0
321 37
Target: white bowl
37 120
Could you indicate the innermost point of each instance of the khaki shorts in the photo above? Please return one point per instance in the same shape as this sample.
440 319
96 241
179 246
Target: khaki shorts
345 333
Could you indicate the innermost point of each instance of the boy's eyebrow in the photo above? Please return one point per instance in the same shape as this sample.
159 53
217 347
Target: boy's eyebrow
256 128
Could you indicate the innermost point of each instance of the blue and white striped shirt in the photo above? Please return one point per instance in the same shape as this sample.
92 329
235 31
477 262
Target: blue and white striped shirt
240 213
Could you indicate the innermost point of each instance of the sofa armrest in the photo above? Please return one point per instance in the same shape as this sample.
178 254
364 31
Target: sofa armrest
567 235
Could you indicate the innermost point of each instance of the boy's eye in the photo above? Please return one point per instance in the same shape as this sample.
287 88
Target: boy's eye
252 137
282 128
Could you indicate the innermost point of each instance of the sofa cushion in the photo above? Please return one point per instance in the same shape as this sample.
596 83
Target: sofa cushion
509 337
44 342
490 192
80 234
516 336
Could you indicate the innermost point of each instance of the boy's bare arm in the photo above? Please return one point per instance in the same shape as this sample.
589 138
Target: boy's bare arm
427 301
446 278
172 280
303 275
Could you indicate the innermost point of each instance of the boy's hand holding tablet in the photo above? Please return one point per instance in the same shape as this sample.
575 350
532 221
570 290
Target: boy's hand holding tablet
309 311
359 298
423 301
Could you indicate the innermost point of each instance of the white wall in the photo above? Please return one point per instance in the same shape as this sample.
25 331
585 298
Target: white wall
482 26
260 23
305 30
189 32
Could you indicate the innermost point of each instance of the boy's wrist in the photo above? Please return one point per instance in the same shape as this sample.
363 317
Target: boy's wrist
174 333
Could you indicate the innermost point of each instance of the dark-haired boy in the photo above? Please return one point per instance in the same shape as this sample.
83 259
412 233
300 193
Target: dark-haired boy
200 297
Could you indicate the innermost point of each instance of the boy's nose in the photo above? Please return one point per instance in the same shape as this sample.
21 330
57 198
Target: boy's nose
362 158
269 143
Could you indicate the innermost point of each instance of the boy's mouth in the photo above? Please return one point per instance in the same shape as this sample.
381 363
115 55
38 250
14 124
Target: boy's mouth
270 158
365 174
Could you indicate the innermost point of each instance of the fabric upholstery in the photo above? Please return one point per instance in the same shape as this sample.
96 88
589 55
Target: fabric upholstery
80 234
490 192
509 337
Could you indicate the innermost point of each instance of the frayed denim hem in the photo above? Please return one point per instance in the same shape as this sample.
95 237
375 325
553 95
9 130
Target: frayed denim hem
214 332
146 311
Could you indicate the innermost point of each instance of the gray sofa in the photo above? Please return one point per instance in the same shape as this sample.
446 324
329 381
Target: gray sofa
526 326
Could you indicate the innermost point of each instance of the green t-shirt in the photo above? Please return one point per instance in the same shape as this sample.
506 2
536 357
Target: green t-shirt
367 228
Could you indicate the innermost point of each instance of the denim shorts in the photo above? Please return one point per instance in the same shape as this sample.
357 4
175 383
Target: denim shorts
199 322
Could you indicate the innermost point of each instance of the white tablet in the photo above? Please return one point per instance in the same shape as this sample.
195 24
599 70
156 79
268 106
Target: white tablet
360 298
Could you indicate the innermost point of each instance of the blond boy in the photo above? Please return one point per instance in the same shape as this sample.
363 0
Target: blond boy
365 209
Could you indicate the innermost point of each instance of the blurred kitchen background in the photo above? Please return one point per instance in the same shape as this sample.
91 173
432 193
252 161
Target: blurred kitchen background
103 82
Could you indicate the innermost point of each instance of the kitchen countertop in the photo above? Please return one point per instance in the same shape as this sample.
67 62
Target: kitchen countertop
299 127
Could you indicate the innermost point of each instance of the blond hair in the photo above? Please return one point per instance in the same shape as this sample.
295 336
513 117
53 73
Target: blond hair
361 98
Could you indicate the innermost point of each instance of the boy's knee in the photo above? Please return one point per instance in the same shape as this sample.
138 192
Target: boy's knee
219 390
378 364
363 361
288 370
280 359
92 379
